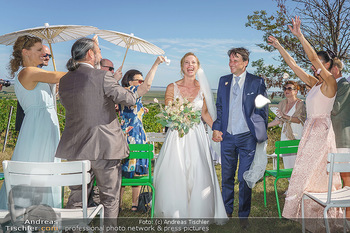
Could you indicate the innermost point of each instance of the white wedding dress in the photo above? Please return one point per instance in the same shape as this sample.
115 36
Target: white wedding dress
186 185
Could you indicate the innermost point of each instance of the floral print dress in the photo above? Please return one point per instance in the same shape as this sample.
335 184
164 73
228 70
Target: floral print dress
131 123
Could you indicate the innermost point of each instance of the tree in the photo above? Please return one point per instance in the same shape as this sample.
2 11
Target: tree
325 24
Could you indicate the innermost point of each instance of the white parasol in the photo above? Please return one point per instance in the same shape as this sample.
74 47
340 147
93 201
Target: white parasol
50 34
129 42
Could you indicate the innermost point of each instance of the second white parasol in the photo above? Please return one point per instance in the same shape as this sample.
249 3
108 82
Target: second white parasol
129 42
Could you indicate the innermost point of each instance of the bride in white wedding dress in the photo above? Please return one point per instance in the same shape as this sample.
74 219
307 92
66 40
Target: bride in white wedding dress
186 185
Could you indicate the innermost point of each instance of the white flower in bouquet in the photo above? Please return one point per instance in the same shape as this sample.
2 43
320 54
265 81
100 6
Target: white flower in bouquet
179 115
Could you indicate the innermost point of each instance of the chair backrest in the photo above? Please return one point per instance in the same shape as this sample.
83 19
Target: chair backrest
142 151
338 162
155 137
36 174
285 147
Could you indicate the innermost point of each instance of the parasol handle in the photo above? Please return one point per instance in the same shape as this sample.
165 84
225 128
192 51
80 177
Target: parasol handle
53 59
124 57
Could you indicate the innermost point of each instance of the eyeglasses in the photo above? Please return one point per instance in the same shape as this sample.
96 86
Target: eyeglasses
110 68
47 55
139 80
288 88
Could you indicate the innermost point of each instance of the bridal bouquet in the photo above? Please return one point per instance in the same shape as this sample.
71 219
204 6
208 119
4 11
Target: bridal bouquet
178 115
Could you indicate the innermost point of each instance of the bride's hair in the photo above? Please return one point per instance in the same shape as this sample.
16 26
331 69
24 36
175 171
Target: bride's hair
183 61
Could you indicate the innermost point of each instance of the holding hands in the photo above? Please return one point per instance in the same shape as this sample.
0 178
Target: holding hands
217 136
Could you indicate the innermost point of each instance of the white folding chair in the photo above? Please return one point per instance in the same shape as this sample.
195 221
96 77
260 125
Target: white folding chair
42 175
338 162
153 137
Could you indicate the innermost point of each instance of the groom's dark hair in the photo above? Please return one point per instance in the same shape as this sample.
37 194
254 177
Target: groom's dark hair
241 51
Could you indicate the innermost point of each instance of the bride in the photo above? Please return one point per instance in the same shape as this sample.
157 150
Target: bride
186 185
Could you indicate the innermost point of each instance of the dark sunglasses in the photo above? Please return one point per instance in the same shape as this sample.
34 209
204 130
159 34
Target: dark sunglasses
288 88
47 55
110 68
140 81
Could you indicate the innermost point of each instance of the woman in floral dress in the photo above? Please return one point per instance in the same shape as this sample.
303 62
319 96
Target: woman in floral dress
131 123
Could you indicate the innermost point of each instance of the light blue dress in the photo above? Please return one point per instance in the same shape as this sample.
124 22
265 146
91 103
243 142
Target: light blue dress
39 135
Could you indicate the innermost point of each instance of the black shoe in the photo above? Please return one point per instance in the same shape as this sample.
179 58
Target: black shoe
229 215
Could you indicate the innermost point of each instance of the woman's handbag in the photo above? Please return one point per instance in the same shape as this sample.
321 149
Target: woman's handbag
145 199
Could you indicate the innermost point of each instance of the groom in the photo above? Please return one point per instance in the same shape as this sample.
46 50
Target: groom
239 126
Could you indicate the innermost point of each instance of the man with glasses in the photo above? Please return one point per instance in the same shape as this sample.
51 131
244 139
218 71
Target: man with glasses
46 56
20 113
107 65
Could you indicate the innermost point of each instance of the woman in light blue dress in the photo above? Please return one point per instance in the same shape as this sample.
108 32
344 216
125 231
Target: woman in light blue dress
39 134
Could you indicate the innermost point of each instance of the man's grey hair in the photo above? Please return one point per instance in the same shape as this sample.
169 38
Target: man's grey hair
79 51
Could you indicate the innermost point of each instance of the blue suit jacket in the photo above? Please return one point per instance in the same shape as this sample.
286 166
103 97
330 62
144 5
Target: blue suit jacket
256 118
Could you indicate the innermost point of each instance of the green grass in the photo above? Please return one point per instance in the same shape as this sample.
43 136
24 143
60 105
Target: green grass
262 217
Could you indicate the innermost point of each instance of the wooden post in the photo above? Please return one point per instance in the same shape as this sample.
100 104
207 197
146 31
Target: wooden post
7 129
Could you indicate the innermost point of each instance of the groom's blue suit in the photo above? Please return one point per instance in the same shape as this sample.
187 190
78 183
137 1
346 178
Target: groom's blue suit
242 145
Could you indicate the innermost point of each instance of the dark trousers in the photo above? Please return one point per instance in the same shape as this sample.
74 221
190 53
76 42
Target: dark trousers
234 148
19 117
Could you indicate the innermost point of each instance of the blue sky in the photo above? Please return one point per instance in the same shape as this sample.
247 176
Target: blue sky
207 28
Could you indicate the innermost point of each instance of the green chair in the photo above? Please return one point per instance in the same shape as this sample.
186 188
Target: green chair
141 151
281 148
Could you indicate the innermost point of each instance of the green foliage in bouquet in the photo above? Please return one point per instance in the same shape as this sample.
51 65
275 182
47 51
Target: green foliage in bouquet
179 115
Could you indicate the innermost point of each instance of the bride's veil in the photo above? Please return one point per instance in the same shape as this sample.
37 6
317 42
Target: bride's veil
209 100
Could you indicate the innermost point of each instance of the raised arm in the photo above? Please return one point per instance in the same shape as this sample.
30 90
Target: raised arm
146 85
117 93
305 77
330 88
30 76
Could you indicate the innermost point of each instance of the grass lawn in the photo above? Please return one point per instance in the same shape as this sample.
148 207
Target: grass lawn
260 216
263 219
